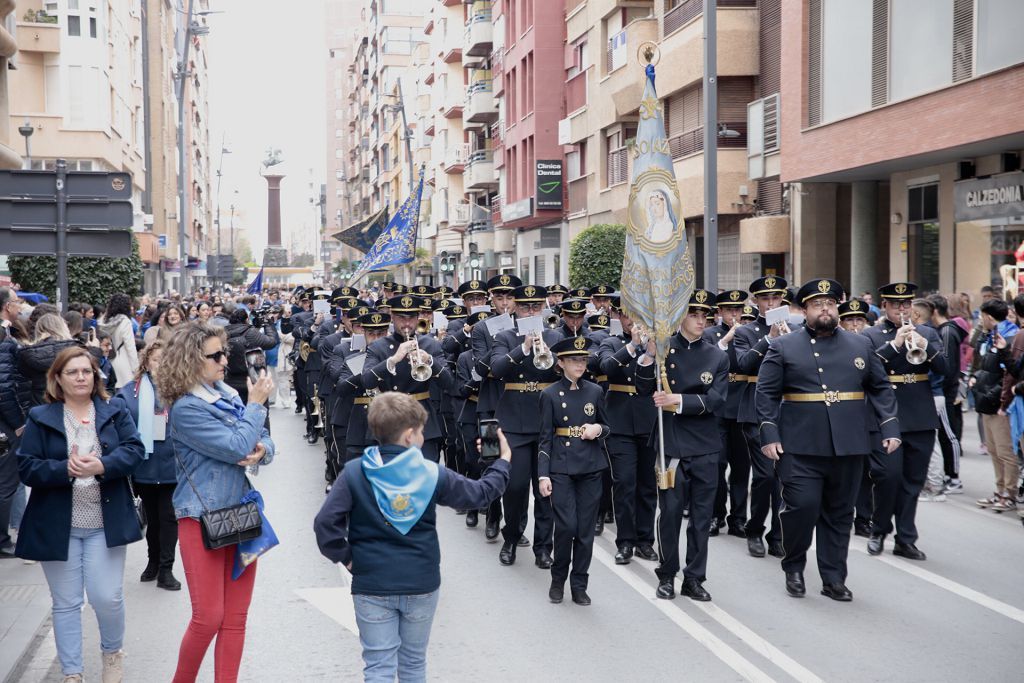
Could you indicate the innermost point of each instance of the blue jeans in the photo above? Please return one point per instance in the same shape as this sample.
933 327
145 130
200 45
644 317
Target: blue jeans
92 567
394 631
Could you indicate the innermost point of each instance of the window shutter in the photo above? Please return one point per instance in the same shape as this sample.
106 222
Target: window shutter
814 62
771 47
963 40
879 53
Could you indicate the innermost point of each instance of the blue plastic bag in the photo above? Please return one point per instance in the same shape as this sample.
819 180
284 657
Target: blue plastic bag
246 552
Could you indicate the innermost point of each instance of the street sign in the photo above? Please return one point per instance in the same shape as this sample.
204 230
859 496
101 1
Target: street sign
62 213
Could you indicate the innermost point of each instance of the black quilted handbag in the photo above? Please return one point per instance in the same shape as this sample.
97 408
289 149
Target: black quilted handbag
226 526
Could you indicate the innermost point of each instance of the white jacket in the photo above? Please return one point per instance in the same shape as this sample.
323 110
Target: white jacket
126 357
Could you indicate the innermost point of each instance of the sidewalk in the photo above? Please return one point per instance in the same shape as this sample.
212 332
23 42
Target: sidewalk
24 609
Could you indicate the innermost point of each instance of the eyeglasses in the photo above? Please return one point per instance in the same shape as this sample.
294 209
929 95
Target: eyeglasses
77 373
216 356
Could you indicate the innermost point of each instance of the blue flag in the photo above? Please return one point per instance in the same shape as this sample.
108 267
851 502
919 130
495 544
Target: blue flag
256 286
363 235
397 244
657 272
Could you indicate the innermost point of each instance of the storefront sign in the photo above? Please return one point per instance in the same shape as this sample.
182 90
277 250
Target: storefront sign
998 197
517 210
549 184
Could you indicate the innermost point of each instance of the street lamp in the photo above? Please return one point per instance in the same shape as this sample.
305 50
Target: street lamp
26 131
223 150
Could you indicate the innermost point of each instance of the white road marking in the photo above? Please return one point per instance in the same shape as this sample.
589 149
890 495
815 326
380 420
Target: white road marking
728 655
963 591
334 602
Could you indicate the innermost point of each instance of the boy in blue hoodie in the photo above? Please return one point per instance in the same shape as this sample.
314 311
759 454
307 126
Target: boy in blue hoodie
380 522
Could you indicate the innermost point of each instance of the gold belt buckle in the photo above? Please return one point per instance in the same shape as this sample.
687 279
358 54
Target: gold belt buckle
909 379
576 432
732 376
831 397
532 386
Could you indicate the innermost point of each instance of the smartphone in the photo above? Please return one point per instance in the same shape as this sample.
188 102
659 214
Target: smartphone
255 363
489 446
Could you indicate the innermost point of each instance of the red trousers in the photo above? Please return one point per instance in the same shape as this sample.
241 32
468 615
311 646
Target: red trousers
219 606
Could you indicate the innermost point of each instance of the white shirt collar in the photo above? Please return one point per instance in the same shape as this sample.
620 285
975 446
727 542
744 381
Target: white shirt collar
212 394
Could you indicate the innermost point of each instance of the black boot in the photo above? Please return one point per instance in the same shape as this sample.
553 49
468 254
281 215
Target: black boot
152 569
167 581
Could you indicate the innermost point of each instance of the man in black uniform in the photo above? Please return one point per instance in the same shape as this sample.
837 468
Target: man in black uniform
734 448
698 383
392 361
353 395
751 343
465 399
573 314
516 364
334 349
571 460
814 426
556 294
853 317
632 421
898 477
601 298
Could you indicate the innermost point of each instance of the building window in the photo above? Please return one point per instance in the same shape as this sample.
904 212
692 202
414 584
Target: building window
846 35
74 25
923 236
920 46
556 268
998 28
92 27
524 269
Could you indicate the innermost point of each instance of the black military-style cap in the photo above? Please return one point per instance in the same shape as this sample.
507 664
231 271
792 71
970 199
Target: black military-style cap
748 313
790 296
472 287
375 320
400 289
769 284
854 308
898 291
321 295
572 346
304 295
405 304
558 289
422 290
444 291
478 316
579 293
572 307
343 293
602 290
503 283
598 322
429 304
702 298
731 297
359 311
348 303
456 312
815 289
530 294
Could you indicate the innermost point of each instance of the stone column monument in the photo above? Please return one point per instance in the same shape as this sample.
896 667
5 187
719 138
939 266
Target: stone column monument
274 255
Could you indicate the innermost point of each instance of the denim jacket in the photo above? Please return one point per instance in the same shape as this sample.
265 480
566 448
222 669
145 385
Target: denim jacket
208 443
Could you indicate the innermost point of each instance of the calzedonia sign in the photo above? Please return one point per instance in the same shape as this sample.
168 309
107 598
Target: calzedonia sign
1001 196
549 185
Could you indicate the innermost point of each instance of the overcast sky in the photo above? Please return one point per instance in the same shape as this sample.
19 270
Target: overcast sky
266 74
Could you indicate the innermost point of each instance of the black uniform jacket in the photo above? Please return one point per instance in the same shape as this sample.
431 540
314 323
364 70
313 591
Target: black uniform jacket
482 344
522 381
750 345
343 391
467 390
914 393
565 408
630 412
699 371
737 380
819 368
351 392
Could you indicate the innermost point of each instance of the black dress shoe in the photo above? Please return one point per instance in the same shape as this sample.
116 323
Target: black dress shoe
599 527
714 527
556 592
460 512
523 542
544 560
737 531
909 551
862 529
150 573
692 589
755 546
646 552
581 598
837 591
876 544
622 557
312 439
775 549
491 531
609 517
665 590
795 584
298 408
507 556
167 581
472 519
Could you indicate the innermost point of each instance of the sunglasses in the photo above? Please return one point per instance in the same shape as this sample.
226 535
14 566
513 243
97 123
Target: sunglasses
217 356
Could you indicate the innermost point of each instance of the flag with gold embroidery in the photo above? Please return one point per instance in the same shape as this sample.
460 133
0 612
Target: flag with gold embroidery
657 271
397 244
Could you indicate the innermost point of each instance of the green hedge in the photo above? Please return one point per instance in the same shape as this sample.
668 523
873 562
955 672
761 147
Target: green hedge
595 256
90 280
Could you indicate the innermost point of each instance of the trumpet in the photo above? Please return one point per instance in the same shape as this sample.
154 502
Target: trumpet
423 327
551 320
420 371
316 412
917 346
542 357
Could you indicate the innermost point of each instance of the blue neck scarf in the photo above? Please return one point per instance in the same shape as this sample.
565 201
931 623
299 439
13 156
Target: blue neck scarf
403 486
147 408
233 404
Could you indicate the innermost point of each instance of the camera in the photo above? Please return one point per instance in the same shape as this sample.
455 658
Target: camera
261 316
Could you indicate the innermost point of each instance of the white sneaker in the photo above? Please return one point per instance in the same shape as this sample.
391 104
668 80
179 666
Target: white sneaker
929 497
73 678
953 487
113 667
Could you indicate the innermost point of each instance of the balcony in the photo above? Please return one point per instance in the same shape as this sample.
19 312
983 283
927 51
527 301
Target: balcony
455 158
578 189
576 92
481 108
688 10
692 141
480 171
479 33
459 216
39 37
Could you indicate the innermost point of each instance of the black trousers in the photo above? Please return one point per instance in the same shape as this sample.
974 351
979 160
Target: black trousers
432 449
863 509
469 432
162 527
733 457
897 478
575 499
9 481
950 451
697 476
516 500
818 493
635 489
335 457
765 492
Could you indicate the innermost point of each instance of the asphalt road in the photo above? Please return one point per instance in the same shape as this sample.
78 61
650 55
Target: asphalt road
958 616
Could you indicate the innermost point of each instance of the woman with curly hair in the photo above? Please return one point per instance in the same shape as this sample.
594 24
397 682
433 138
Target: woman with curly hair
117 322
215 437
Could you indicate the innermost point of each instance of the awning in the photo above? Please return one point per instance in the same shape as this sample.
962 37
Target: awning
363 234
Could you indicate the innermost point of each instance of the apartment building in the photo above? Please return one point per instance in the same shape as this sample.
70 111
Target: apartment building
9 159
901 137
199 235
